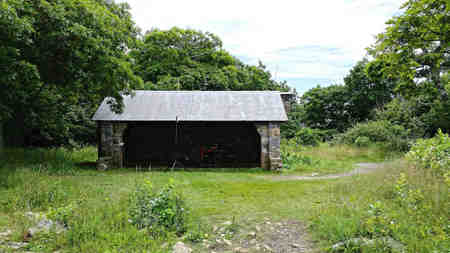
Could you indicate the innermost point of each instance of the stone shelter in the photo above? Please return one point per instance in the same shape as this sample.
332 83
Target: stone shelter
192 129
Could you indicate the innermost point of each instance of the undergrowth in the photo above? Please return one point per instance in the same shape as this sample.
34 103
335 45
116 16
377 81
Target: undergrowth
406 202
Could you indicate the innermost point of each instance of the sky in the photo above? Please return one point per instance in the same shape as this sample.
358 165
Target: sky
305 43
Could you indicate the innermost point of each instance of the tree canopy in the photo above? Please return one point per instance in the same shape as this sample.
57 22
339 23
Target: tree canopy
415 47
57 55
186 59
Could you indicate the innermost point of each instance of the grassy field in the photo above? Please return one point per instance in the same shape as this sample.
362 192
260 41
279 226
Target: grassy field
332 210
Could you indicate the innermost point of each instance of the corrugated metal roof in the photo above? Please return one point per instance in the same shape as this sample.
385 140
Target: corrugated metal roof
197 106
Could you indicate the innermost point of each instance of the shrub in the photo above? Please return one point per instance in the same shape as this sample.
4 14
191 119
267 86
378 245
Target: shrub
164 209
392 136
308 136
432 154
362 141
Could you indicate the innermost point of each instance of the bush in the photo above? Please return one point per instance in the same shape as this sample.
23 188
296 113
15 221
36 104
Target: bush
155 211
393 137
308 136
362 141
432 154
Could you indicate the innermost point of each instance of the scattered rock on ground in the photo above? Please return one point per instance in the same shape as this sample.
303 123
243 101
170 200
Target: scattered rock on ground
5 233
43 224
388 241
180 247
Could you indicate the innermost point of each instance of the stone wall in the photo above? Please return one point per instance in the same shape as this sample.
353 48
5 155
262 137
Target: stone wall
270 145
110 144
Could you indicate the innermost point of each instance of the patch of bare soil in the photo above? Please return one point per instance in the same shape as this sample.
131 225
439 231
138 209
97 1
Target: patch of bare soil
277 237
361 168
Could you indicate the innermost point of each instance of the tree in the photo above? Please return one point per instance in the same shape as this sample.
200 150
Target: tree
326 108
185 59
367 90
56 55
415 47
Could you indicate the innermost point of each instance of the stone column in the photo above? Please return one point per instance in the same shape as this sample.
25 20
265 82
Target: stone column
118 144
274 146
105 144
263 132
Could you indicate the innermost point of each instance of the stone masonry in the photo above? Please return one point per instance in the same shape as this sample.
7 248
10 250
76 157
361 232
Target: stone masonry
111 148
270 145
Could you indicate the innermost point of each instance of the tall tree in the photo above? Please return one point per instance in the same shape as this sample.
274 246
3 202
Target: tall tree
185 59
59 54
326 108
367 90
415 46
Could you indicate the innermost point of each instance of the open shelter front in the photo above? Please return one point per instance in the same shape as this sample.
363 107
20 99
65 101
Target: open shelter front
192 144
192 129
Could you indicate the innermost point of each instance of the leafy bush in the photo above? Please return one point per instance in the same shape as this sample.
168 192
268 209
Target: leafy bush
308 136
432 154
362 141
164 209
392 136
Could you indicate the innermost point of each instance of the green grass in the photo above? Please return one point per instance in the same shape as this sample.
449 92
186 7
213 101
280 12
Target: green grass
328 159
336 209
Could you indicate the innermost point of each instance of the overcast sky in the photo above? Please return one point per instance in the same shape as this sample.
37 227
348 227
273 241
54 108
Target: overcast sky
303 42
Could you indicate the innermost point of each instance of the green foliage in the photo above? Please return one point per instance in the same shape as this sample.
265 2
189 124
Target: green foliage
326 158
432 154
393 136
422 115
62 214
414 47
155 210
326 108
59 59
404 212
308 136
34 194
367 90
185 59
362 141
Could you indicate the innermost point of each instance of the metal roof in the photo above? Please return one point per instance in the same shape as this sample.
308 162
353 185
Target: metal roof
197 106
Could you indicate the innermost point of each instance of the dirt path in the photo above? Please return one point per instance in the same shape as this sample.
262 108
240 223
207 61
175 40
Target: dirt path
361 168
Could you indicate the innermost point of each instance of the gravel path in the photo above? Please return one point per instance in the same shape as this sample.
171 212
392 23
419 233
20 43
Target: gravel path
361 168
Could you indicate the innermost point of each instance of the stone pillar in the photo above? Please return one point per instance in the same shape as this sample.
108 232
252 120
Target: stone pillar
110 145
270 145
105 144
118 144
274 146
288 99
263 132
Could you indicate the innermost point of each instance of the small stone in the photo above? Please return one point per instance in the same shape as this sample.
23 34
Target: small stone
267 248
227 242
295 245
180 247
240 250
314 174
252 234
253 241
6 233
102 166
17 245
227 223
258 228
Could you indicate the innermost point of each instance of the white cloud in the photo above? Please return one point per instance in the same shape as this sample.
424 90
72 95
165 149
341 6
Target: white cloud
309 39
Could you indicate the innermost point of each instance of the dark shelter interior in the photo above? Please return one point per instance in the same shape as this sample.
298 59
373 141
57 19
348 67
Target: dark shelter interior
192 144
